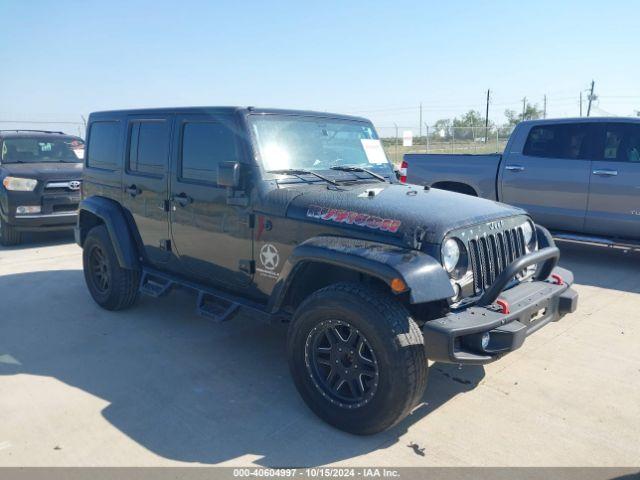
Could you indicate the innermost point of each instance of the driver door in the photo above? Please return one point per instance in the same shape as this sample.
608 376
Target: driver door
212 239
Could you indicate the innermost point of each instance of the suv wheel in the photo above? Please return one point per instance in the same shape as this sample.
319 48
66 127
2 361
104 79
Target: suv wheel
8 235
111 286
357 358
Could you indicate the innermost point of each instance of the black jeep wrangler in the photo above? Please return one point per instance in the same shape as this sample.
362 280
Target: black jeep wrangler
40 175
298 217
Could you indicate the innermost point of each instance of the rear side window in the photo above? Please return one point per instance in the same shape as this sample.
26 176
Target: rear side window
622 143
149 147
566 141
103 147
204 146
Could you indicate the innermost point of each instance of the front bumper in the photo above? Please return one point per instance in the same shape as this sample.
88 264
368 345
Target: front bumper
58 210
456 337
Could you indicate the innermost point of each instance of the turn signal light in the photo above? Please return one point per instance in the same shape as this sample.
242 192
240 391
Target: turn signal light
398 285
403 171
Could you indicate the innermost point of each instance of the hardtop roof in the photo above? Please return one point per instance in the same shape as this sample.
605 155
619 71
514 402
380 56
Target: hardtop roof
227 110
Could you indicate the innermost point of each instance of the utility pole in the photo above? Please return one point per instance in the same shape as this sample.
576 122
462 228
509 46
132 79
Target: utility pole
580 103
486 118
544 111
420 136
524 107
592 97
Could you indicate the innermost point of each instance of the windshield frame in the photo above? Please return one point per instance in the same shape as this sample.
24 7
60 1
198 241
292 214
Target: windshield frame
44 139
337 175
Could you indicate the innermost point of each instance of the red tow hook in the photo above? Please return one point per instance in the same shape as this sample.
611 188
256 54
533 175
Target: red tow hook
504 306
556 279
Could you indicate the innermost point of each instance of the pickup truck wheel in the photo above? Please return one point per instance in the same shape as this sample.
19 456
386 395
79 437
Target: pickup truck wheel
111 286
357 358
8 235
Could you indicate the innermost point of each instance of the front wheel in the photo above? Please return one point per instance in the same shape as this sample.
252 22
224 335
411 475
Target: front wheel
357 358
110 285
8 235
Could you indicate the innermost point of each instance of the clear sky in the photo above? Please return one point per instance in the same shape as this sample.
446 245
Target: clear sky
63 59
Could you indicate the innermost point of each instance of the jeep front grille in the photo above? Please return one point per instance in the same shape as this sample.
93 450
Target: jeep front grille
491 253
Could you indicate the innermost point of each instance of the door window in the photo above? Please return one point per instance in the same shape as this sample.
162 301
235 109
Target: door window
148 147
566 141
104 140
204 146
622 143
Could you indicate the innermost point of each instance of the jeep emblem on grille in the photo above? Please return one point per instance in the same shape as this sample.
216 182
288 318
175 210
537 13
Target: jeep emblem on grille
74 185
495 225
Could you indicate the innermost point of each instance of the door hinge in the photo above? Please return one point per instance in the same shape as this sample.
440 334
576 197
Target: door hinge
248 266
165 245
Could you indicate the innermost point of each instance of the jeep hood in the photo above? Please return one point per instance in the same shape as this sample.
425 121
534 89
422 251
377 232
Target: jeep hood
393 209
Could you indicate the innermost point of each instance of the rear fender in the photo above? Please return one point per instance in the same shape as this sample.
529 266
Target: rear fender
425 278
99 210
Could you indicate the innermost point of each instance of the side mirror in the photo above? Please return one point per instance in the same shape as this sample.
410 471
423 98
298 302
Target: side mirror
229 174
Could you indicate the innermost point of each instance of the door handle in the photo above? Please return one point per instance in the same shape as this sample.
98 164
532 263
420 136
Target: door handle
133 190
606 173
182 199
514 168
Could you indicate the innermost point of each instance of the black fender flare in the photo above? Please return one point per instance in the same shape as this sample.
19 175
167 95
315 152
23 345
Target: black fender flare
424 276
111 214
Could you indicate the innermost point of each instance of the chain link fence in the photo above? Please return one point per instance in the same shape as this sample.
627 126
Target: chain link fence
398 140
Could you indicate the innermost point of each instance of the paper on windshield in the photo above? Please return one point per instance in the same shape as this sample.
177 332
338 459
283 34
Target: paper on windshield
374 151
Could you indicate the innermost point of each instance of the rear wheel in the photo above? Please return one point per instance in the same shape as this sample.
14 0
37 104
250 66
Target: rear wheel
357 358
9 235
111 286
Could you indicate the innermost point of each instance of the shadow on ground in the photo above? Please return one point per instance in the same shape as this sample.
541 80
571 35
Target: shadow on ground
178 385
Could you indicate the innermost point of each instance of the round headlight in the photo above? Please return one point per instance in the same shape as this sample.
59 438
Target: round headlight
450 255
529 235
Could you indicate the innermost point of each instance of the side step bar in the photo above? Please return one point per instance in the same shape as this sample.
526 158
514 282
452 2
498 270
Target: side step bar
629 245
216 308
215 305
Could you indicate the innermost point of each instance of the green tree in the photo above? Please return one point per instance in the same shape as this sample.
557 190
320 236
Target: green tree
531 112
470 125
442 128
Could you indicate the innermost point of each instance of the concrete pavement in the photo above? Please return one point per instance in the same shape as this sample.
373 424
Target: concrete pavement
159 385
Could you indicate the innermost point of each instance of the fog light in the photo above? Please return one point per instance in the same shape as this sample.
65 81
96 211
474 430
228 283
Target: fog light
26 210
485 340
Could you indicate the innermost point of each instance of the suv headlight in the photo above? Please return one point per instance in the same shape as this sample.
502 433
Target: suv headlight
529 233
450 254
19 184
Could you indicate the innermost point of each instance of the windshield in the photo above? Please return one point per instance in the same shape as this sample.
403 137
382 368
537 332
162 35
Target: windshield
288 142
43 149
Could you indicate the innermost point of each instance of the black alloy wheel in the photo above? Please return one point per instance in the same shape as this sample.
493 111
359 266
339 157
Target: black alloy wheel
341 363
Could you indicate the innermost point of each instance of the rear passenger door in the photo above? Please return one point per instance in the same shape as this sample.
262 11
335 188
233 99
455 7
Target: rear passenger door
145 182
614 193
212 238
549 178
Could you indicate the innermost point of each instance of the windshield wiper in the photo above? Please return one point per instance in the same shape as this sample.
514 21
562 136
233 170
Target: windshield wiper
298 172
353 168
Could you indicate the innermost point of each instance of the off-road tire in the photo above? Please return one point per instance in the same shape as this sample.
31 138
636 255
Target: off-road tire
394 337
121 289
9 236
